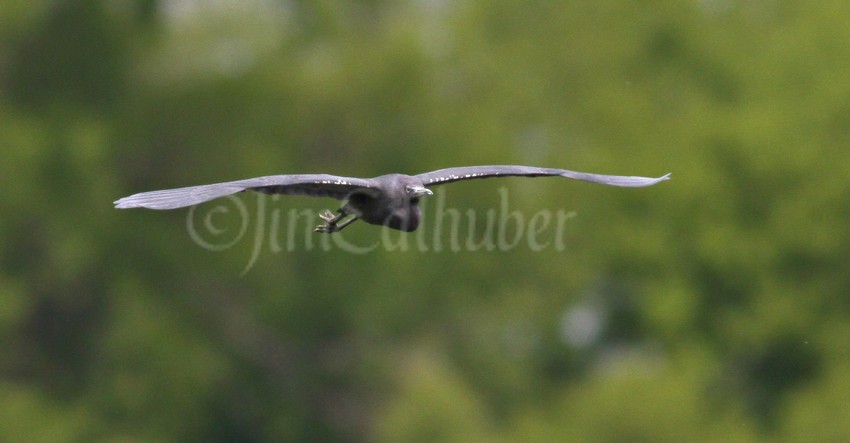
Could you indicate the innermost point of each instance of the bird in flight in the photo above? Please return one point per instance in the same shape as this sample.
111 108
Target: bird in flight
390 200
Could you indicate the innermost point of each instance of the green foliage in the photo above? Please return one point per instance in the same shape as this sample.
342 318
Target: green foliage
712 307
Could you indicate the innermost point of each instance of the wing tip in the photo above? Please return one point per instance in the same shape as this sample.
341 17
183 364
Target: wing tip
121 204
125 203
130 203
655 181
149 200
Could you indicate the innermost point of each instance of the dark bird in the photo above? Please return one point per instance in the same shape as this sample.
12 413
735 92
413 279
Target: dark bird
390 200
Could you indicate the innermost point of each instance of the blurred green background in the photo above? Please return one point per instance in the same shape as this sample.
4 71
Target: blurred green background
713 307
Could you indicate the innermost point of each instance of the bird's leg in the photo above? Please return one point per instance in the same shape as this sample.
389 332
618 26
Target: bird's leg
333 221
345 223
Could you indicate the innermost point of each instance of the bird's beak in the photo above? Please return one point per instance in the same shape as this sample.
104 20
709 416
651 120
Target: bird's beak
420 191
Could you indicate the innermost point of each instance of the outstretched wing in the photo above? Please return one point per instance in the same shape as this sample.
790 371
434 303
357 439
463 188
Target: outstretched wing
449 175
318 185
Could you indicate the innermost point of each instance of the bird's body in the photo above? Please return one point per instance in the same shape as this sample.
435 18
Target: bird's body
390 200
397 206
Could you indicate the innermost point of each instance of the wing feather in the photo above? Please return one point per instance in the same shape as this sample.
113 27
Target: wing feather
449 175
318 185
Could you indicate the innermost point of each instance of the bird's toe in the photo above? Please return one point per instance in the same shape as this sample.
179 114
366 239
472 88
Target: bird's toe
326 229
327 215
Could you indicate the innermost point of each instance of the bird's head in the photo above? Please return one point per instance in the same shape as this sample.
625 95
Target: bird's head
417 191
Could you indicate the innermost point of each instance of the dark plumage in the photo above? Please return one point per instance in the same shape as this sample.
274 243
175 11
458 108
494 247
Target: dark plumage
390 200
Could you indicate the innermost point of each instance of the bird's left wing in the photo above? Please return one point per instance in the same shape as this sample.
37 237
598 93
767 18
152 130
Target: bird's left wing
318 185
449 175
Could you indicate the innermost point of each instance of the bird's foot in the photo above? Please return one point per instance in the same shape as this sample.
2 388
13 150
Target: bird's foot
328 216
331 221
326 229
334 224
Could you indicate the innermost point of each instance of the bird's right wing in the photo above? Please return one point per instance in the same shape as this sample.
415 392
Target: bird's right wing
318 185
449 175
